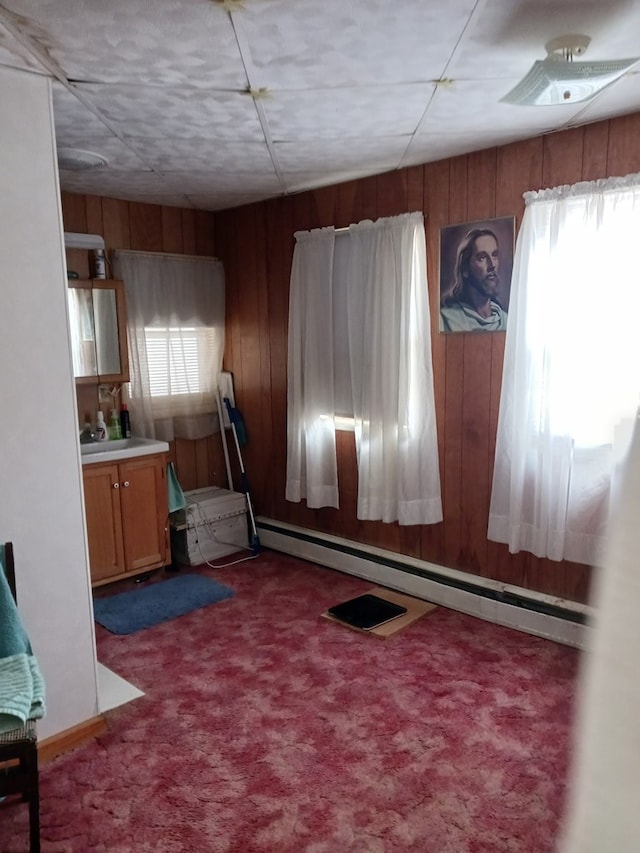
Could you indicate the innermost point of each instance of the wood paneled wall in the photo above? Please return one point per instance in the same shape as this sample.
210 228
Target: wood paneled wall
256 245
149 228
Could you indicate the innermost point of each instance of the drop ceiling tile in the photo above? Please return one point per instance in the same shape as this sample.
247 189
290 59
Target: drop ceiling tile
204 155
225 201
75 123
173 42
119 154
225 182
175 113
430 147
505 38
162 199
14 55
317 43
619 99
345 113
369 66
300 182
474 107
132 186
335 155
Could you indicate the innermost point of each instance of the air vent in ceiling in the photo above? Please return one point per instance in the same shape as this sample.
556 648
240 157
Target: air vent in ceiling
77 160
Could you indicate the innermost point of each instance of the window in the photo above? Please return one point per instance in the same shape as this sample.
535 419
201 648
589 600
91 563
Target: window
571 381
175 310
175 355
360 350
343 392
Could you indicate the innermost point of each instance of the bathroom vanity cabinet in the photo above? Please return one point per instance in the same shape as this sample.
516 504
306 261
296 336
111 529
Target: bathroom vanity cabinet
127 514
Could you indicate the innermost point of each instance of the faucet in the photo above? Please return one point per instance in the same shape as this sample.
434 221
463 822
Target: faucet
86 436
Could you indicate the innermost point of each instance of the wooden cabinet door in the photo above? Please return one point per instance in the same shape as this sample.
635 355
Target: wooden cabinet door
145 512
104 525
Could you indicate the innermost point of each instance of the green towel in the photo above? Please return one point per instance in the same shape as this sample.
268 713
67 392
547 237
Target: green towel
13 637
21 682
177 499
21 691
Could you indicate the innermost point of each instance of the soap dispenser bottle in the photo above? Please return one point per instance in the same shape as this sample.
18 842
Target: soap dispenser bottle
101 427
115 431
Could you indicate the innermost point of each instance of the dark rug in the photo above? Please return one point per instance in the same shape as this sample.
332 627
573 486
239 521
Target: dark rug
145 606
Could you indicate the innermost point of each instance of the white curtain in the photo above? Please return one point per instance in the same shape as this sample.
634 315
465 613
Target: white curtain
175 324
312 472
390 365
392 373
571 380
604 784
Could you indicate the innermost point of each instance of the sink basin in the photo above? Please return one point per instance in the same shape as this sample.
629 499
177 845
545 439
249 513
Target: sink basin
104 446
122 448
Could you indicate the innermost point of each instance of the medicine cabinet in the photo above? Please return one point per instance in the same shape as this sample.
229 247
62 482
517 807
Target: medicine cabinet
98 329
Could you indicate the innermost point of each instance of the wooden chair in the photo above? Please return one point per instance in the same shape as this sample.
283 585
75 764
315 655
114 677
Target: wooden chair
19 749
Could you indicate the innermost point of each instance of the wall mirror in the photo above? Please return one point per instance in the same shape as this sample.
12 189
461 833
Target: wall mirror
97 325
81 328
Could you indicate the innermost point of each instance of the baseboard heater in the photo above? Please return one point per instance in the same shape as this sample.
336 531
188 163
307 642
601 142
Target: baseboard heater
515 607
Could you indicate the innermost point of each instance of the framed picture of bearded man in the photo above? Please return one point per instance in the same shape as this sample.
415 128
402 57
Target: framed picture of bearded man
476 261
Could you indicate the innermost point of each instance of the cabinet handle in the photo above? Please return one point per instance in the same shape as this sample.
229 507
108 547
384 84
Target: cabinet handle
126 484
116 485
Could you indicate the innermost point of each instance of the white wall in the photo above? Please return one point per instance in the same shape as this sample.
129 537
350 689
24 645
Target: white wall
41 508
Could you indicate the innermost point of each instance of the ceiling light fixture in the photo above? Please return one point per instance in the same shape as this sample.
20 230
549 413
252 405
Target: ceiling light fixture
559 80
77 160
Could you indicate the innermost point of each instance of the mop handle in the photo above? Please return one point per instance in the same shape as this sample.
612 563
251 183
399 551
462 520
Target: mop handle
223 435
245 479
232 419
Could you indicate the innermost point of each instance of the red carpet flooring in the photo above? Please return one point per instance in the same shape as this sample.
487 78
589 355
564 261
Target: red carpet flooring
267 728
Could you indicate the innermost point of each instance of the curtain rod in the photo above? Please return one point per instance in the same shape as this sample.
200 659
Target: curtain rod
176 255
341 230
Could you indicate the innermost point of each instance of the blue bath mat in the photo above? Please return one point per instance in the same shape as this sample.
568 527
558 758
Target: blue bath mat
148 605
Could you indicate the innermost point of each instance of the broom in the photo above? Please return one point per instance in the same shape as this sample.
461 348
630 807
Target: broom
237 428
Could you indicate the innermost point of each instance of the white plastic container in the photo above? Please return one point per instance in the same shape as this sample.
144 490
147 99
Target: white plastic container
213 525
101 428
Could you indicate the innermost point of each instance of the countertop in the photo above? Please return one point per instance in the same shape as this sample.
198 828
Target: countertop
94 452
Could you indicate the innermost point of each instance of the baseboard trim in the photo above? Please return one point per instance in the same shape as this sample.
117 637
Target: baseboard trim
69 739
525 610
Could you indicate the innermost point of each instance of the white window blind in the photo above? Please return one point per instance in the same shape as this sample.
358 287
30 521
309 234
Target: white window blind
174 356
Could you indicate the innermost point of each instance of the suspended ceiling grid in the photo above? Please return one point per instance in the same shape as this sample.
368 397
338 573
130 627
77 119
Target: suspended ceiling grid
212 104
